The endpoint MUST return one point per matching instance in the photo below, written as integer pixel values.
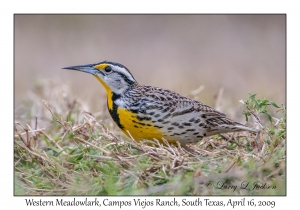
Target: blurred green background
(240, 53)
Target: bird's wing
(174, 104)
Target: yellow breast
(140, 130)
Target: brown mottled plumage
(146, 112)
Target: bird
(152, 113)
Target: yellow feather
(109, 93)
(101, 66)
(146, 130)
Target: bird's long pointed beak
(84, 68)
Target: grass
(60, 148)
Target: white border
(8, 8)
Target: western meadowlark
(146, 112)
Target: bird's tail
(245, 128)
(231, 128)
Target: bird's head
(115, 77)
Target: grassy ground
(60, 148)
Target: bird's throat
(108, 91)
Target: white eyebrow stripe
(124, 72)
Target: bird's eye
(107, 69)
